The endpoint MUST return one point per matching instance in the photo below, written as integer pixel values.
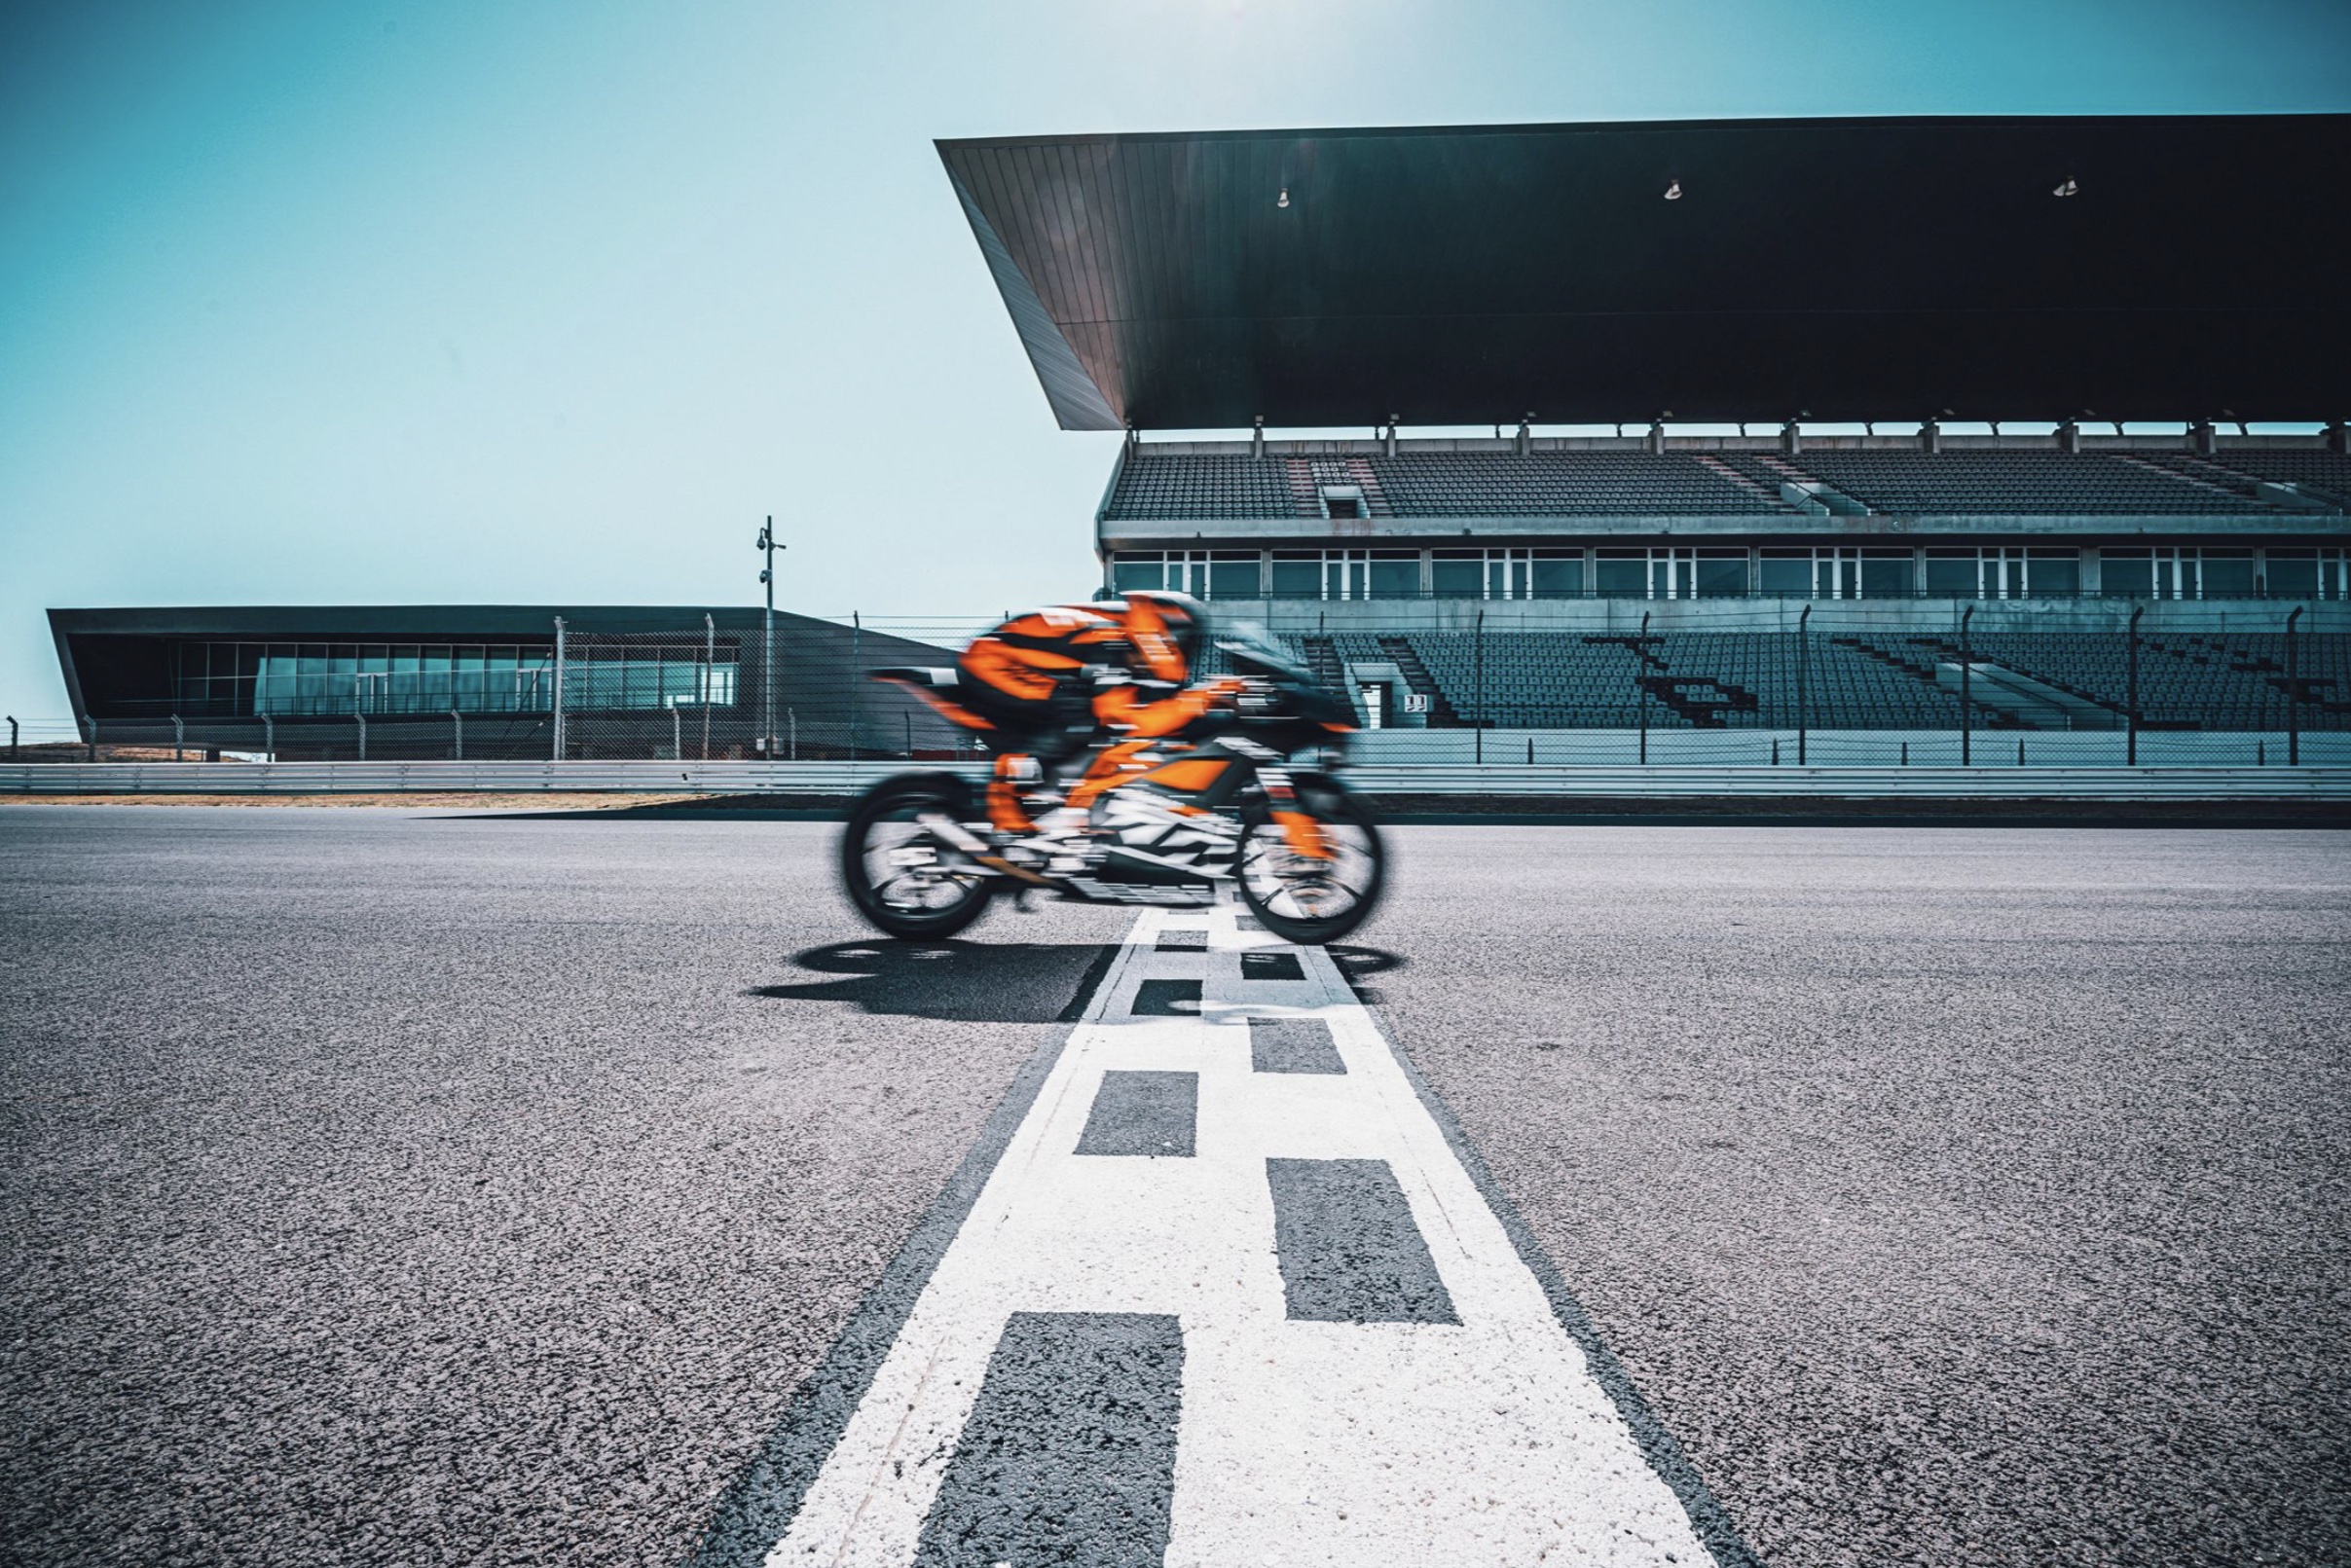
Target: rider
(1051, 681)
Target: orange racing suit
(1052, 679)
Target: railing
(2183, 686)
(834, 781)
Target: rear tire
(1293, 907)
(922, 904)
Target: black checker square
(1147, 1114)
(1293, 1046)
(1166, 999)
(1271, 967)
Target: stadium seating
(1698, 680)
(2021, 482)
(2027, 483)
(1862, 680)
(2185, 681)
(2329, 471)
(1202, 487)
(1565, 483)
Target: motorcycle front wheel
(897, 872)
(1314, 871)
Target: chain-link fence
(2225, 690)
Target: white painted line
(1489, 1442)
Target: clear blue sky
(401, 301)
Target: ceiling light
(1673, 191)
(1285, 198)
(2066, 188)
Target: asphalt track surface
(389, 1188)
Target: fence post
(94, 740)
(558, 698)
(457, 724)
(1803, 667)
(856, 631)
(269, 736)
(2292, 693)
(179, 738)
(2130, 698)
(1641, 687)
(1967, 691)
(1477, 644)
(710, 676)
(791, 719)
(16, 753)
(362, 718)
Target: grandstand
(2105, 547)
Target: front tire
(900, 877)
(1303, 899)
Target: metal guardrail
(845, 779)
(1861, 783)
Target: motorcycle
(1171, 827)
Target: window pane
(1787, 573)
(1951, 574)
(1559, 576)
(1232, 579)
(1395, 578)
(2292, 577)
(1297, 576)
(1721, 577)
(1887, 576)
(2228, 575)
(1617, 574)
(1135, 572)
(2053, 573)
(2126, 574)
(1454, 576)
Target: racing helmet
(1166, 631)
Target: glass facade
(2006, 571)
(287, 679)
(1838, 572)
(2189, 572)
(1731, 572)
(2305, 574)
(1202, 573)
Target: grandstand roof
(1868, 269)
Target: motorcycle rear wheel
(1304, 900)
(900, 896)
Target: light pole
(767, 642)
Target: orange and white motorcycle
(1149, 823)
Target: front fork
(1300, 830)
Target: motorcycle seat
(940, 680)
(943, 690)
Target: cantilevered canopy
(2126, 268)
